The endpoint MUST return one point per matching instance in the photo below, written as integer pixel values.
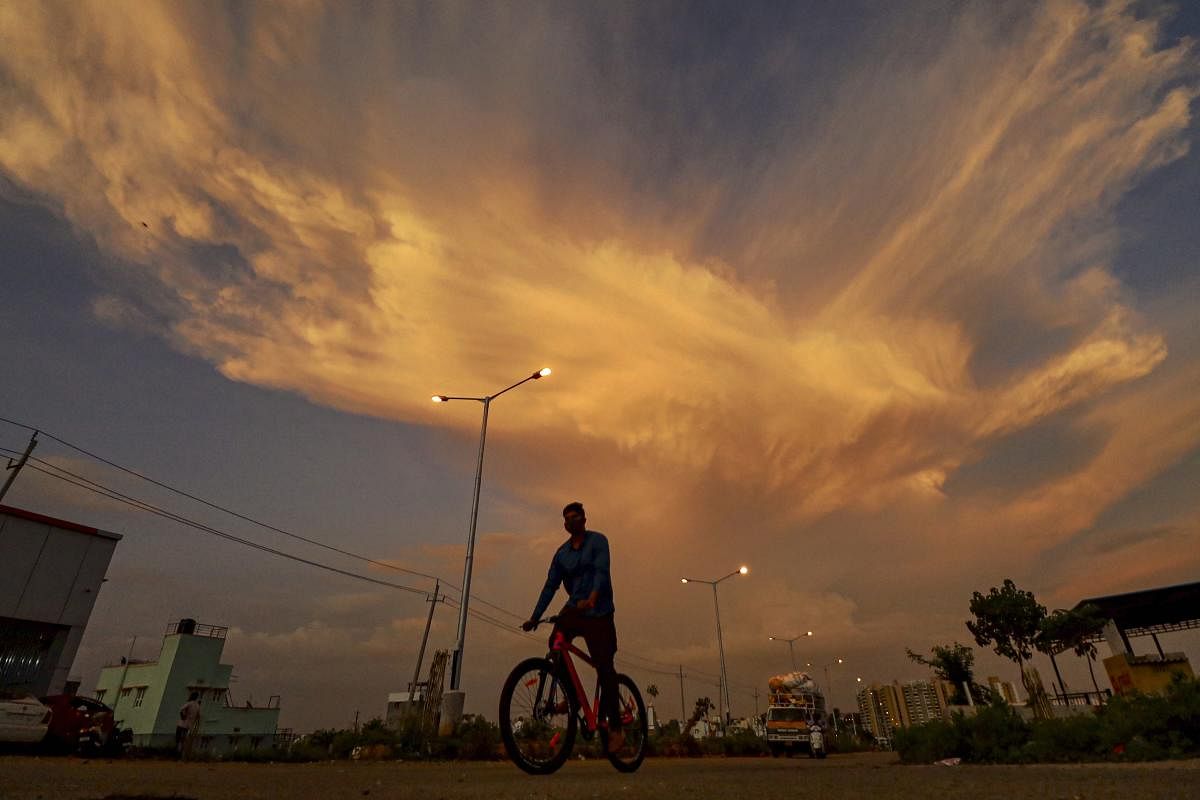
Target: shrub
(1134, 727)
(997, 734)
(739, 743)
(929, 742)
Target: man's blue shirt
(580, 572)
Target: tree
(652, 690)
(1072, 630)
(954, 664)
(703, 706)
(1009, 620)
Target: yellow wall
(1143, 674)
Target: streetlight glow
(437, 398)
(543, 372)
(744, 570)
(683, 580)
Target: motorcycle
(816, 743)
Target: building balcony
(190, 627)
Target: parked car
(23, 719)
(82, 724)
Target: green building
(146, 695)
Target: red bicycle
(543, 706)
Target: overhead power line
(112, 494)
(53, 470)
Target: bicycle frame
(564, 649)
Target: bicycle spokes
(539, 711)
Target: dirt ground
(869, 775)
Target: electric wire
(625, 657)
(215, 506)
(112, 494)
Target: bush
(738, 743)
(474, 739)
(672, 744)
(932, 741)
(997, 735)
(1134, 727)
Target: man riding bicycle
(581, 566)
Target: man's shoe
(616, 740)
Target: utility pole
(682, 705)
(756, 702)
(356, 721)
(15, 469)
(412, 688)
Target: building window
(255, 741)
(139, 697)
(126, 692)
(100, 695)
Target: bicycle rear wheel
(537, 717)
(634, 724)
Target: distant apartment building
(885, 707)
(146, 695)
(1004, 689)
(924, 701)
(879, 705)
(52, 574)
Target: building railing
(193, 628)
(1081, 698)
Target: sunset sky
(888, 303)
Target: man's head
(194, 696)
(574, 519)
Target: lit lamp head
(541, 373)
(439, 398)
(683, 580)
(744, 570)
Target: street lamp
(720, 640)
(829, 685)
(456, 659)
(790, 643)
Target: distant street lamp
(829, 686)
(790, 643)
(720, 641)
(457, 658)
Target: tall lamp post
(829, 685)
(791, 644)
(457, 658)
(720, 639)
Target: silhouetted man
(581, 566)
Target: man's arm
(553, 581)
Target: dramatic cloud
(779, 342)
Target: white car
(22, 718)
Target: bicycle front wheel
(537, 717)
(634, 725)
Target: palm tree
(652, 690)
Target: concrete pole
(412, 689)
(683, 716)
(15, 469)
(456, 659)
(721, 646)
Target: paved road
(869, 775)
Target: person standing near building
(189, 721)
